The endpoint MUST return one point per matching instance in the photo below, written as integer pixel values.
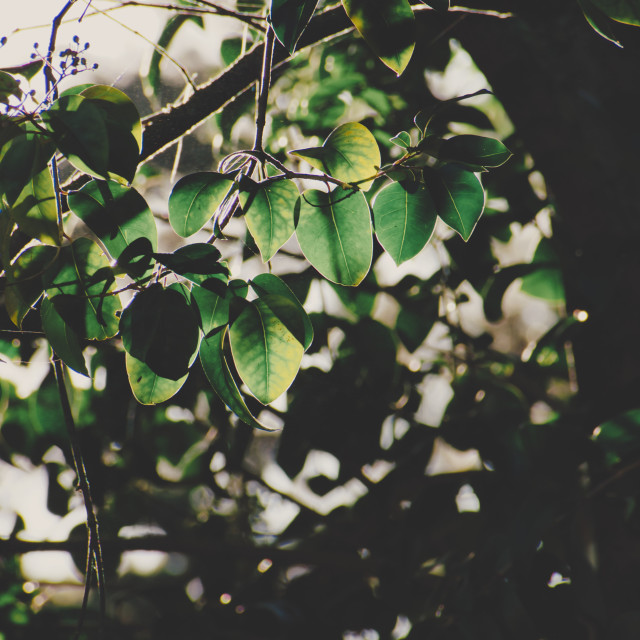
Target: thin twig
(50, 81)
(78, 462)
(263, 93)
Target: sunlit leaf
(289, 19)
(335, 234)
(267, 284)
(404, 218)
(117, 214)
(194, 200)
(267, 355)
(62, 338)
(213, 298)
(458, 196)
(215, 367)
(389, 28)
(350, 154)
(269, 213)
(160, 329)
(81, 284)
(28, 70)
(147, 386)
(598, 20)
(402, 139)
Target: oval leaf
(269, 213)
(81, 285)
(194, 200)
(389, 28)
(458, 196)
(215, 367)
(474, 150)
(335, 234)
(266, 353)
(147, 386)
(160, 329)
(404, 219)
(62, 338)
(350, 154)
(117, 214)
(626, 11)
(269, 284)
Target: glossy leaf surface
(350, 154)
(458, 196)
(335, 234)
(389, 28)
(118, 215)
(404, 219)
(194, 199)
(267, 355)
(269, 213)
(215, 367)
(474, 150)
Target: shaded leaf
(335, 234)
(389, 28)
(598, 20)
(269, 213)
(267, 284)
(350, 154)
(118, 215)
(62, 338)
(196, 262)
(289, 19)
(458, 196)
(194, 199)
(404, 219)
(28, 70)
(215, 367)
(626, 11)
(9, 87)
(213, 300)
(267, 355)
(160, 329)
(80, 285)
(474, 150)
(147, 386)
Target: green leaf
(117, 214)
(389, 28)
(9, 86)
(35, 209)
(289, 19)
(231, 49)
(80, 285)
(27, 71)
(194, 199)
(404, 218)
(213, 300)
(545, 282)
(268, 284)
(62, 338)
(269, 213)
(267, 355)
(215, 367)
(160, 329)
(147, 386)
(196, 262)
(626, 11)
(402, 139)
(474, 150)
(350, 154)
(24, 280)
(81, 133)
(22, 157)
(598, 21)
(458, 196)
(335, 234)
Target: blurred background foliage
(441, 471)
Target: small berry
(76, 39)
